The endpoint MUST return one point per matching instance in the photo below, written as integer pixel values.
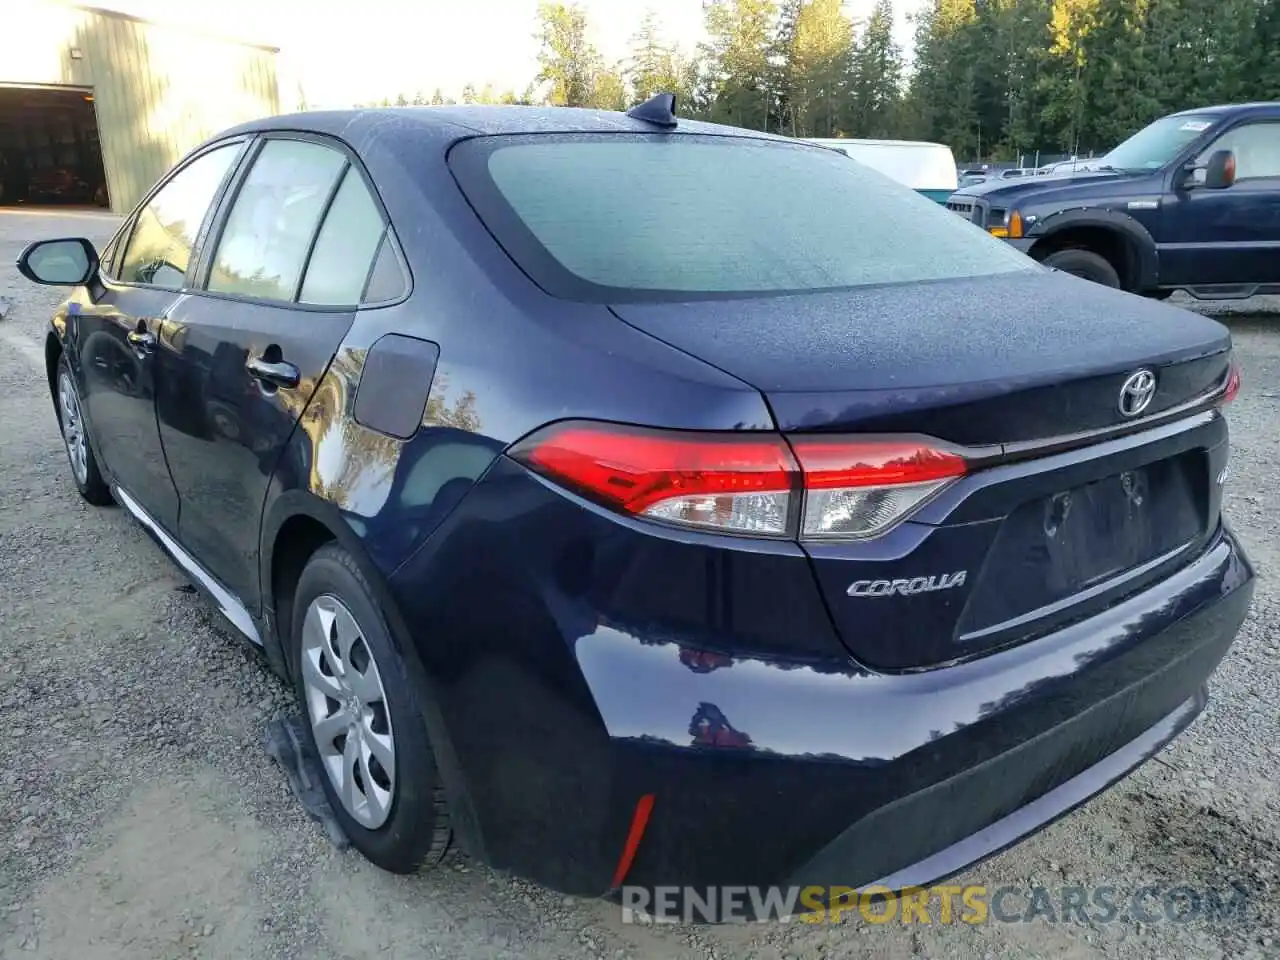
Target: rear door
(116, 334)
(1230, 235)
(287, 265)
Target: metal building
(95, 104)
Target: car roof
(1260, 106)
(457, 122)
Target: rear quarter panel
(510, 360)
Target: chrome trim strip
(235, 612)
(1067, 441)
(1230, 245)
(1066, 603)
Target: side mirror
(1220, 171)
(59, 263)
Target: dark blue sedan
(642, 501)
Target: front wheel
(75, 438)
(365, 718)
(1085, 264)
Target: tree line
(990, 78)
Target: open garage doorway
(50, 154)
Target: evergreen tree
(568, 61)
(1264, 64)
(657, 66)
(1022, 29)
(944, 83)
(875, 100)
(990, 78)
(780, 65)
(649, 67)
(818, 58)
(609, 90)
(738, 69)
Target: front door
(246, 354)
(117, 333)
(116, 369)
(1232, 235)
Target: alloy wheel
(73, 428)
(347, 707)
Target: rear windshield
(625, 217)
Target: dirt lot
(139, 816)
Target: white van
(928, 168)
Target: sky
(340, 52)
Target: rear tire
(384, 787)
(1085, 264)
(75, 438)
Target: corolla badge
(907, 587)
(1136, 394)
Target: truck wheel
(1086, 264)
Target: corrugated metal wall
(159, 90)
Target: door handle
(275, 373)
(142, 340)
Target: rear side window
(626, 217)
(159, 248)
(387, 281)
(344, 250)
(264, 245)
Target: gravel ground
(139, 816)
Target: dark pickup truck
(1190, 202)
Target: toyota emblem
(1136, 394)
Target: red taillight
(859, 489)
(743, 482)
(739, 482)
(836, 462)
(1232, 387)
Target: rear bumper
(903, 780)
(1010, 775)
(555, 719)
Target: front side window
(160, 245)
(264, 245)
(627, 217)
(1257, 150)
(107, 258)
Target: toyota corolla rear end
(974, 573)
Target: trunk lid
(1022, 547)
(992, 360)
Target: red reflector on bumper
(639, 821)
